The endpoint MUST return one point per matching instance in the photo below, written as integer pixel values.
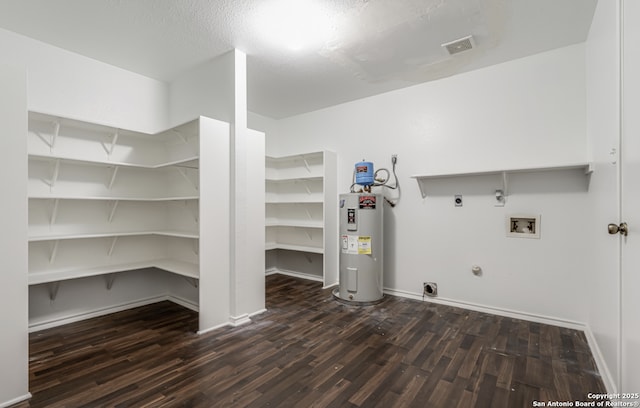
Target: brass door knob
(622, 229)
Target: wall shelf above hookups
(501, 174)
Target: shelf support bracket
(588, 169)
(110, 278)
(113, 210)
(113, 245)
(54, 211)
(194, 213)
(196, 246)
(54, 251)
(54, 136)
(53, 290)
(108, 148)
(308, 213)
(114, 140)
(306, 186)
(192, 281)
(423, 192)
(505, 183)
(180, 136)
(113, 176)
(184, 174)
(306, 164)
(308, 234)
(54, 174)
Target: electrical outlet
(430, 289)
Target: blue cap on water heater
(364, 173)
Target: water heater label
(367, 202)
(364, 245)
(356, 245)
(350, 244)
(352, 224)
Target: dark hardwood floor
(308, 350)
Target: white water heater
(360, 248)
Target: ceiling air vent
(459, 45)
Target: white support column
(248, 196)
(14, 337)
(214, 223)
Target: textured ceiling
(372, 46)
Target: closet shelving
(300, 213)
(104, 200)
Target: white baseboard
(236, 321)
(183, 302)
(257, 312)
(603, 369)
(216, 327)
(233, 320)
(295, 274)
(330, 285)
(47, 324)
(491, 310)
(15, 400)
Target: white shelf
(54, 196)
(190, 162)
(294, 200)
(295, 167)
(178, 267)
(294, 223)
(291, 247)
(293, 179)
(504, 173)
(53, 237)
(270, 160)
(298, 220)
(69, 156)
(104, 200)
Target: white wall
(527, 112)
(14, 346)
(603, 129)
(67, 84)
(205, 90)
